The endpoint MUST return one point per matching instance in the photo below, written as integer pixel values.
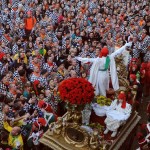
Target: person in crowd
(15, 139)
(99, 75)
(29, 22)
(39, 44)
(4, 141)
(118, 112)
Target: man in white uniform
(117, 114)
(99, 73)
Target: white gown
(116, 115)
(100, 79)
(100, 110)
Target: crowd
(39, 43)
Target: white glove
(147, 140)
(35, 138)
(128, 44)
(77, 58)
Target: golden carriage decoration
(121, 68)
(67, 134)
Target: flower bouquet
(97, 126)
(103, 101)
(76, 91)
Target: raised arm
(121, 50)
(85, 60)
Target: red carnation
(76, 91)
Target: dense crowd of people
(39, 43)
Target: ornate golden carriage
(73, 137)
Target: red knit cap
(122, 96)
(40, 122)
(133, 77)
(2, 55)
(36, 82)
(46, 106)
(41, 104)
(104, 52)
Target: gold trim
(83, 143)
(58, 143)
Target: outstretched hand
(128, 44)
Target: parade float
(81, 128)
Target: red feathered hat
(2, 55)
(122, 96)
(104, 52)
(40, 122)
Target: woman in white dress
(99, 73)
(117, 114)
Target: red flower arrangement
(76, 91)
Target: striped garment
(19, 20)
(122, 29)
(4, 4)
(31, 66)
(136, 51)
(33, 78)
(145, 44)
(15, 3)
(50, 68)
(5, 40)
(16, 74)
(6, 50)
(114, 33)
(79, 5)
(2, 31)
(21, 32)
(5, 17)
(92, 6)
(3, 69)
(53, 36)
(43, 82)
(15, 49)
(53, 16)
(3, 88)
(147, 56)
(14, 14)
(43, 23)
